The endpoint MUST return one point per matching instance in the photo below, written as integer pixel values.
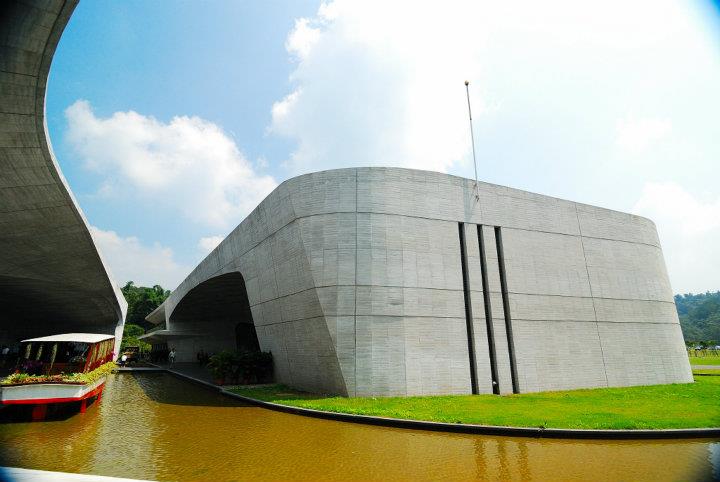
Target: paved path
(706, 367)
(13, 474)
(193, 370)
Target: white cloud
(638, 134)
(130, 260)
(302, 38)
(209, 243)
(375, 84)
(188, 165)
(552, 83)
(689, 229)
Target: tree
(130, 337)
(699, 317)
(142, 301)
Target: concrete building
(367, 281)
(383, 281)
(52, 278)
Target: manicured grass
(705, 360)
(649, 407)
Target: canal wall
(709, 433)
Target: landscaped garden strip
(70, 378)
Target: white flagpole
(472, 137)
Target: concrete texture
(353, 279)
(52, 278)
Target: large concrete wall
(355, 282)
(52, 278)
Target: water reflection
(155, 426)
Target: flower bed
(63, 378)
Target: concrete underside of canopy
(213, 317)
(52, 278)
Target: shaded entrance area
(212, 317)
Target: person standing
(5, 355)
(171, 356)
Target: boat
(59, 369)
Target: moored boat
(59, 369)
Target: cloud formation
(209, 243)
(689, 229)
(382, 82)
(188, 165)
(375, 85)
(130, 260)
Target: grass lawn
(705, 360)
(706, 371)
(649, 407)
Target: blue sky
(171, 120)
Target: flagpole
(472, 136)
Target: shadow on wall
(218, 310)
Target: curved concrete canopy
(52, 277)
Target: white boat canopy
(73, 337)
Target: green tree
(700, 317)
(142, 301)
(131, 334)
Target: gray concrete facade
(52, 277)
(372, 281)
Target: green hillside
(700, 316)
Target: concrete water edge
(532, 432)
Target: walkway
(27, 475)
(705, 367)
(193, 370)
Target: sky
(172, 120)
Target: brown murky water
(154, 426)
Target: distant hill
(699, 316)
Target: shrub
(221, 364)
(242, 366)
(254, 366)
(84, 378)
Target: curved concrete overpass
(52, 277)
(385, 281)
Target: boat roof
(76, 337)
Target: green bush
(84, 378)
(253, 366)
(93, 376)
(242, 366)
(221, 365)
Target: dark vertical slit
(488, 313)
(506, 309)
(468, 310)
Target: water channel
(155, 426)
